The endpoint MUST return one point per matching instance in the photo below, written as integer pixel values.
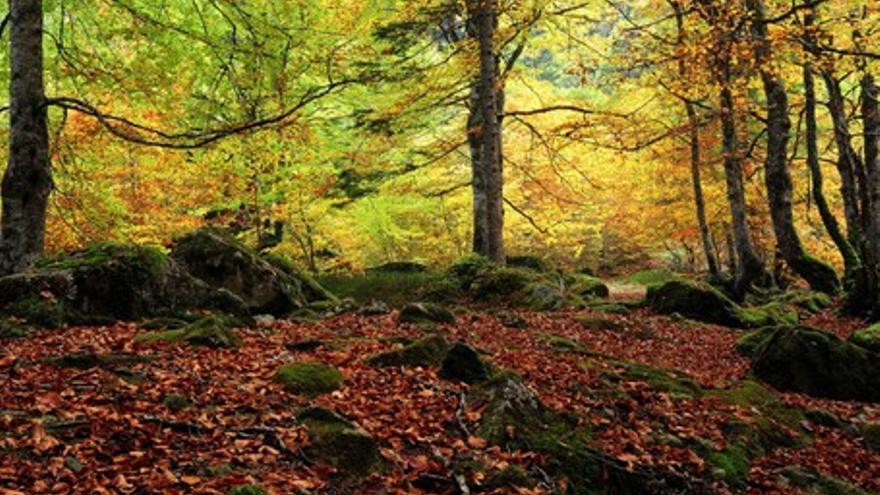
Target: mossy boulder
(870, 433)
(750, 343)
(400, 267)
(466, 269)
(428, 351)
(869, 338)
(599, 323)
(462, 363)
(107, 283)
(818, 363)
(215, 331)
(425, 313)
(222, 262)
(543, 296)
(587, 287)
(809, 302)
(813, 482)
(500, 283)
(693, 300)
(774, 313)
(309, 378)
(530, 262)
(340, 443)
(311, 288)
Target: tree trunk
(491, 131)
(871, 214)
(27, 182)
(819, 275)
(749, 267)
(478, 181)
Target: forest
(454, 247)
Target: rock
(312, 290)
(817, 484)
(222, 262)
(529, 262)
(751, 343)
(613, 308)
(818, 363)
(465, 270)
(309, 378)
(870, 433)
(215, 331)
(338, 442)
(425, 313)
(264, 320)
(542, 296)
(400, 267)
(374, 308)
(108, 282)
(693, 300)
(498, 283)
(869, 338)
(462, 363)
(510, 409)
(428, 351)
(512, 320)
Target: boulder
(542, 296)
(498, 283)
(309, 378)
(462, 363)
(214, 331)
(428, 351)
(340, 443)
(693, 300)
(869, 338)
(818, 363)
(588, 287)
(425, 313)
(109, 282)
(374, 308)
(222, 262)
(529, 262)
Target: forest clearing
(455, 247)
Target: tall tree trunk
(478, 181)
(819, 275)
(491, 138)
(871, 214)
(749, 267)
(696, 162)
(27, 181)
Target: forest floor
(111, 432)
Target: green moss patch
(425, 313)
(869, 338)
(212, 331)
(335, 441)
(10, 329)
(752, 342)
(309, 378)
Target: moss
(428, 351)
(339, 443)
(500, 283)
(871, 435)
(587, 286)
(731, 464)
(808, 301)
(752, 395)
(309, 378)
(313, 290)
(541, 296)
(394, 288)
(817, 484)
(662, 380)
(767, 315)
(466, 269)
(751, 343)
(247, 490)
(10, 329)
(88, 360)
(564, 344)
(164, 323)
(176, 402)
(613, 308)
(212, 331)
(511, 476)
(652, 277)
(530, 262)
(869, 338)
(150, 257)
(694, 300)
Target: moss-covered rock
(817, 484)
(215, 331)
(810, 302)
(500, 283)
(247, 490)
(818, 363)
(869, 338)
(338, 442)
(542, 296)
(669, 381)
(587, 287)
(428, 351)
(311, 288)
(530, 262)
(466, 269)
(425, 313)
(512, 320)
(767, 315)
(462, 363)
(613, 308)
(11, 329)
(870, 433)
(309, 378)
(107, 283)
(222, 262)
(750, 343)
(693, 300)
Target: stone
(340, 443)
(425, 313)
(428, 351)
(309, 378)
(462, 363)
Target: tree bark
(871, 213)
(27, 181)
(491, 132)
(819, 275)
(478, 181)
